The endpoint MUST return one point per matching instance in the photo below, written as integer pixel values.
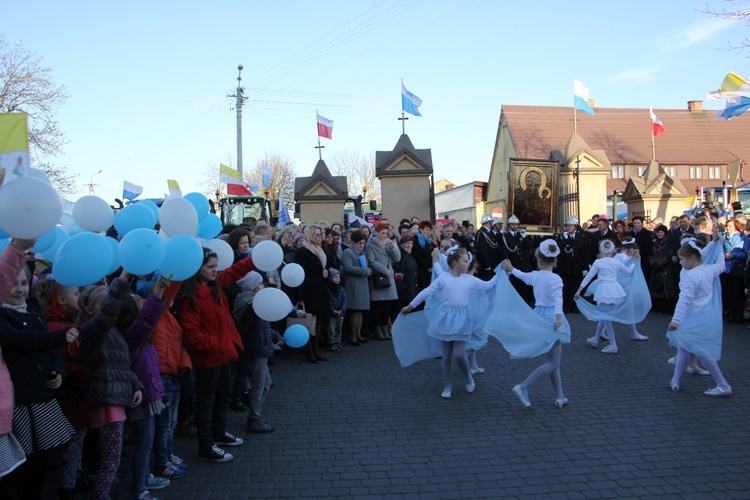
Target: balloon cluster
(31, 209)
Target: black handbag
(380, 280)
(738, 268)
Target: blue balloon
(132, 217)
(4, 244)
(45, 242)
(82, 260)
(153, 206)
(200, 203)
(183, 257)
(210, 227)
(76, 229)
(296, 336)
(141, 251)
(60, 237)
(116, 249)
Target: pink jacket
(12, 261)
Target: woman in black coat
(406, 272)
(314, 290)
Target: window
(696, 172)
(641, 169)
(618, 171)
(714, 172)
(670, 170)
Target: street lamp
(218, 194)
(91, 182)
(364, 192)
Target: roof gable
(690, 137)
(403, 159)
(320, 185)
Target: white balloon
(223, 250)
(271, 304)
(178, 216)
(29, 208)
(267, 255)
(162, 234)
(39, 174)
(93, 213)
(292, 275)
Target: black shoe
(245, 398)
(215, 454)
(228, 440)
(237, 405)
(258, 426)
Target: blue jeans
(166, 421)
(144, 439)
(259, 388)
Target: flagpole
(575, 122)
(653, 147)
(403, 116)
(319, 147)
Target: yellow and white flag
(174, 189)
(14, 147)
(228, 175)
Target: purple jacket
(143, 359)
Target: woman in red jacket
(213, 341)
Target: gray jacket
(355, 280)
(380, 259)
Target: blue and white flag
(266, 174)
(581, 98)
(254, 188)
(283, 212)
(130, 191)
(735, 107)
(410, 102)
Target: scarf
(317, 251)
(423, 242)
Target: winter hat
(251, 281)
(333, 272)
(297, 237)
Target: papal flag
(14, 147)
(733, 86)
(174, 188)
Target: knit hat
(297, 237)
(333, 272)
(407, 237)
(250, 282)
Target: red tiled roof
(690, 137)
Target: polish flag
(657, 127)
(237, 190)
(325, 127)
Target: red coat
(209, 327)
(167, 338)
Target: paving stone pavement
(359, 426)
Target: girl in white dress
(453, 323)
(609, 292)
(548, 294)
(628, 249)
(696, 326)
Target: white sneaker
(672, 360)
(593, 342)
(610, 350)
(638, 336)
(475, 371)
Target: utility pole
(238, 106)
(91, 183)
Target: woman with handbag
(313, 292)
(355, 270)
(381, 252)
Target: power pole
(238, 106)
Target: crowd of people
(173, 357)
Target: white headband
(629, 241)
(693, 244)
(606, 247)
(451, 250)
(544, 249)
(685, 241)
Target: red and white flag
(657, 127)
(325, 127)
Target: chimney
(695, 105)
(592, 102)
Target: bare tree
(732, 14)
(209, 180)
(282, 180)
(26, 86)
(359, 169)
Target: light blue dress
(701, 331)
(524, 332)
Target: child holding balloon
(259, 341)
(214, 342)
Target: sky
(148, 80)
